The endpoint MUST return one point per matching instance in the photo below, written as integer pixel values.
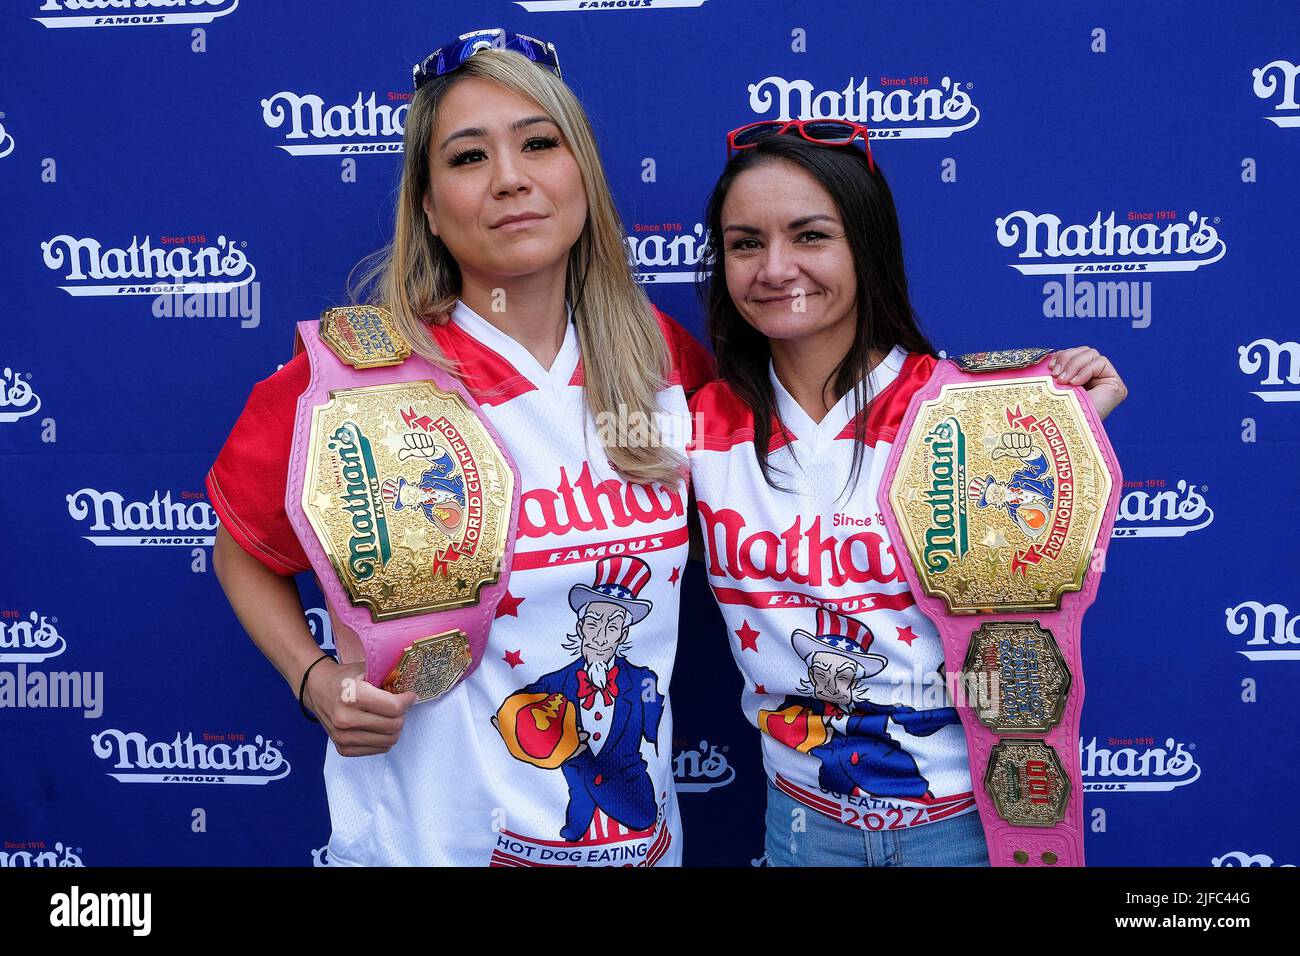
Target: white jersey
(843, 673)
(584, 639)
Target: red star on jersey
(513, 659)
(906, 635)
(672, 579)
(509, 605)
(748, 637)
(760, 689)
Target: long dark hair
(885, 317)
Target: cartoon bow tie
(587, 691)
(832, 711)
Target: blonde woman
(507, 268)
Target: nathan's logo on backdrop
(184, 523)
(30, 639)
(67, 13)
(213, 758)
(701, 768)
(560, 6)
(1280, 363)
(311, 128)
(38, 853)
(1272, 79)
(1272, 629)
(666, 252)
(6, 140)
(17, 400)
(1156, 508)
(1106, 246)
(905, 107)
(1238, 858)
(174, 266)
(321, 856)
(1128, 768)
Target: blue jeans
(819, 840)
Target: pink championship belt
(405, 500)
(1003, 488)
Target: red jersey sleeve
(692, 364)
(248, 481)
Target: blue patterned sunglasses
(452, 56)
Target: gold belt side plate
(999, 495)
(1028, 680)
(1027, 783)
(409, 496)
(431, 666)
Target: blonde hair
(625, 359)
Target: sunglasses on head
(823, 132)
(452, 56)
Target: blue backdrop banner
(1121, 175)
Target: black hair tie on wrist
(302, 688)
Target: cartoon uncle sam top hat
(839, 635)
(618, 581)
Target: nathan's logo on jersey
(166, 522)
(582, 504)
(321, 856)
(17, 399)
(38, 853)
(175, 266)
(1155, 508)
(132, 13)
(30, 639)
(1127, 768)
(214, 758)
(1238, 858)
(666, 252)
(1106, 246)
(906, 108)
(587, 6)
(6, 140)
(1280, 364)
(703, 767)
(798, 555)
(1272, 79)
(365, 125)
(1273, 630)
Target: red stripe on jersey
(726, 421)
(937, 814)
(849, 604)
(886, 411)
(489, 378)
(630, 576)
(594, 550)
(659, 847)
(689, 364)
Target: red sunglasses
(824, 132)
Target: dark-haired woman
(818, 353)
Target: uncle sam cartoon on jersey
(840, 726)
(588, 719)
